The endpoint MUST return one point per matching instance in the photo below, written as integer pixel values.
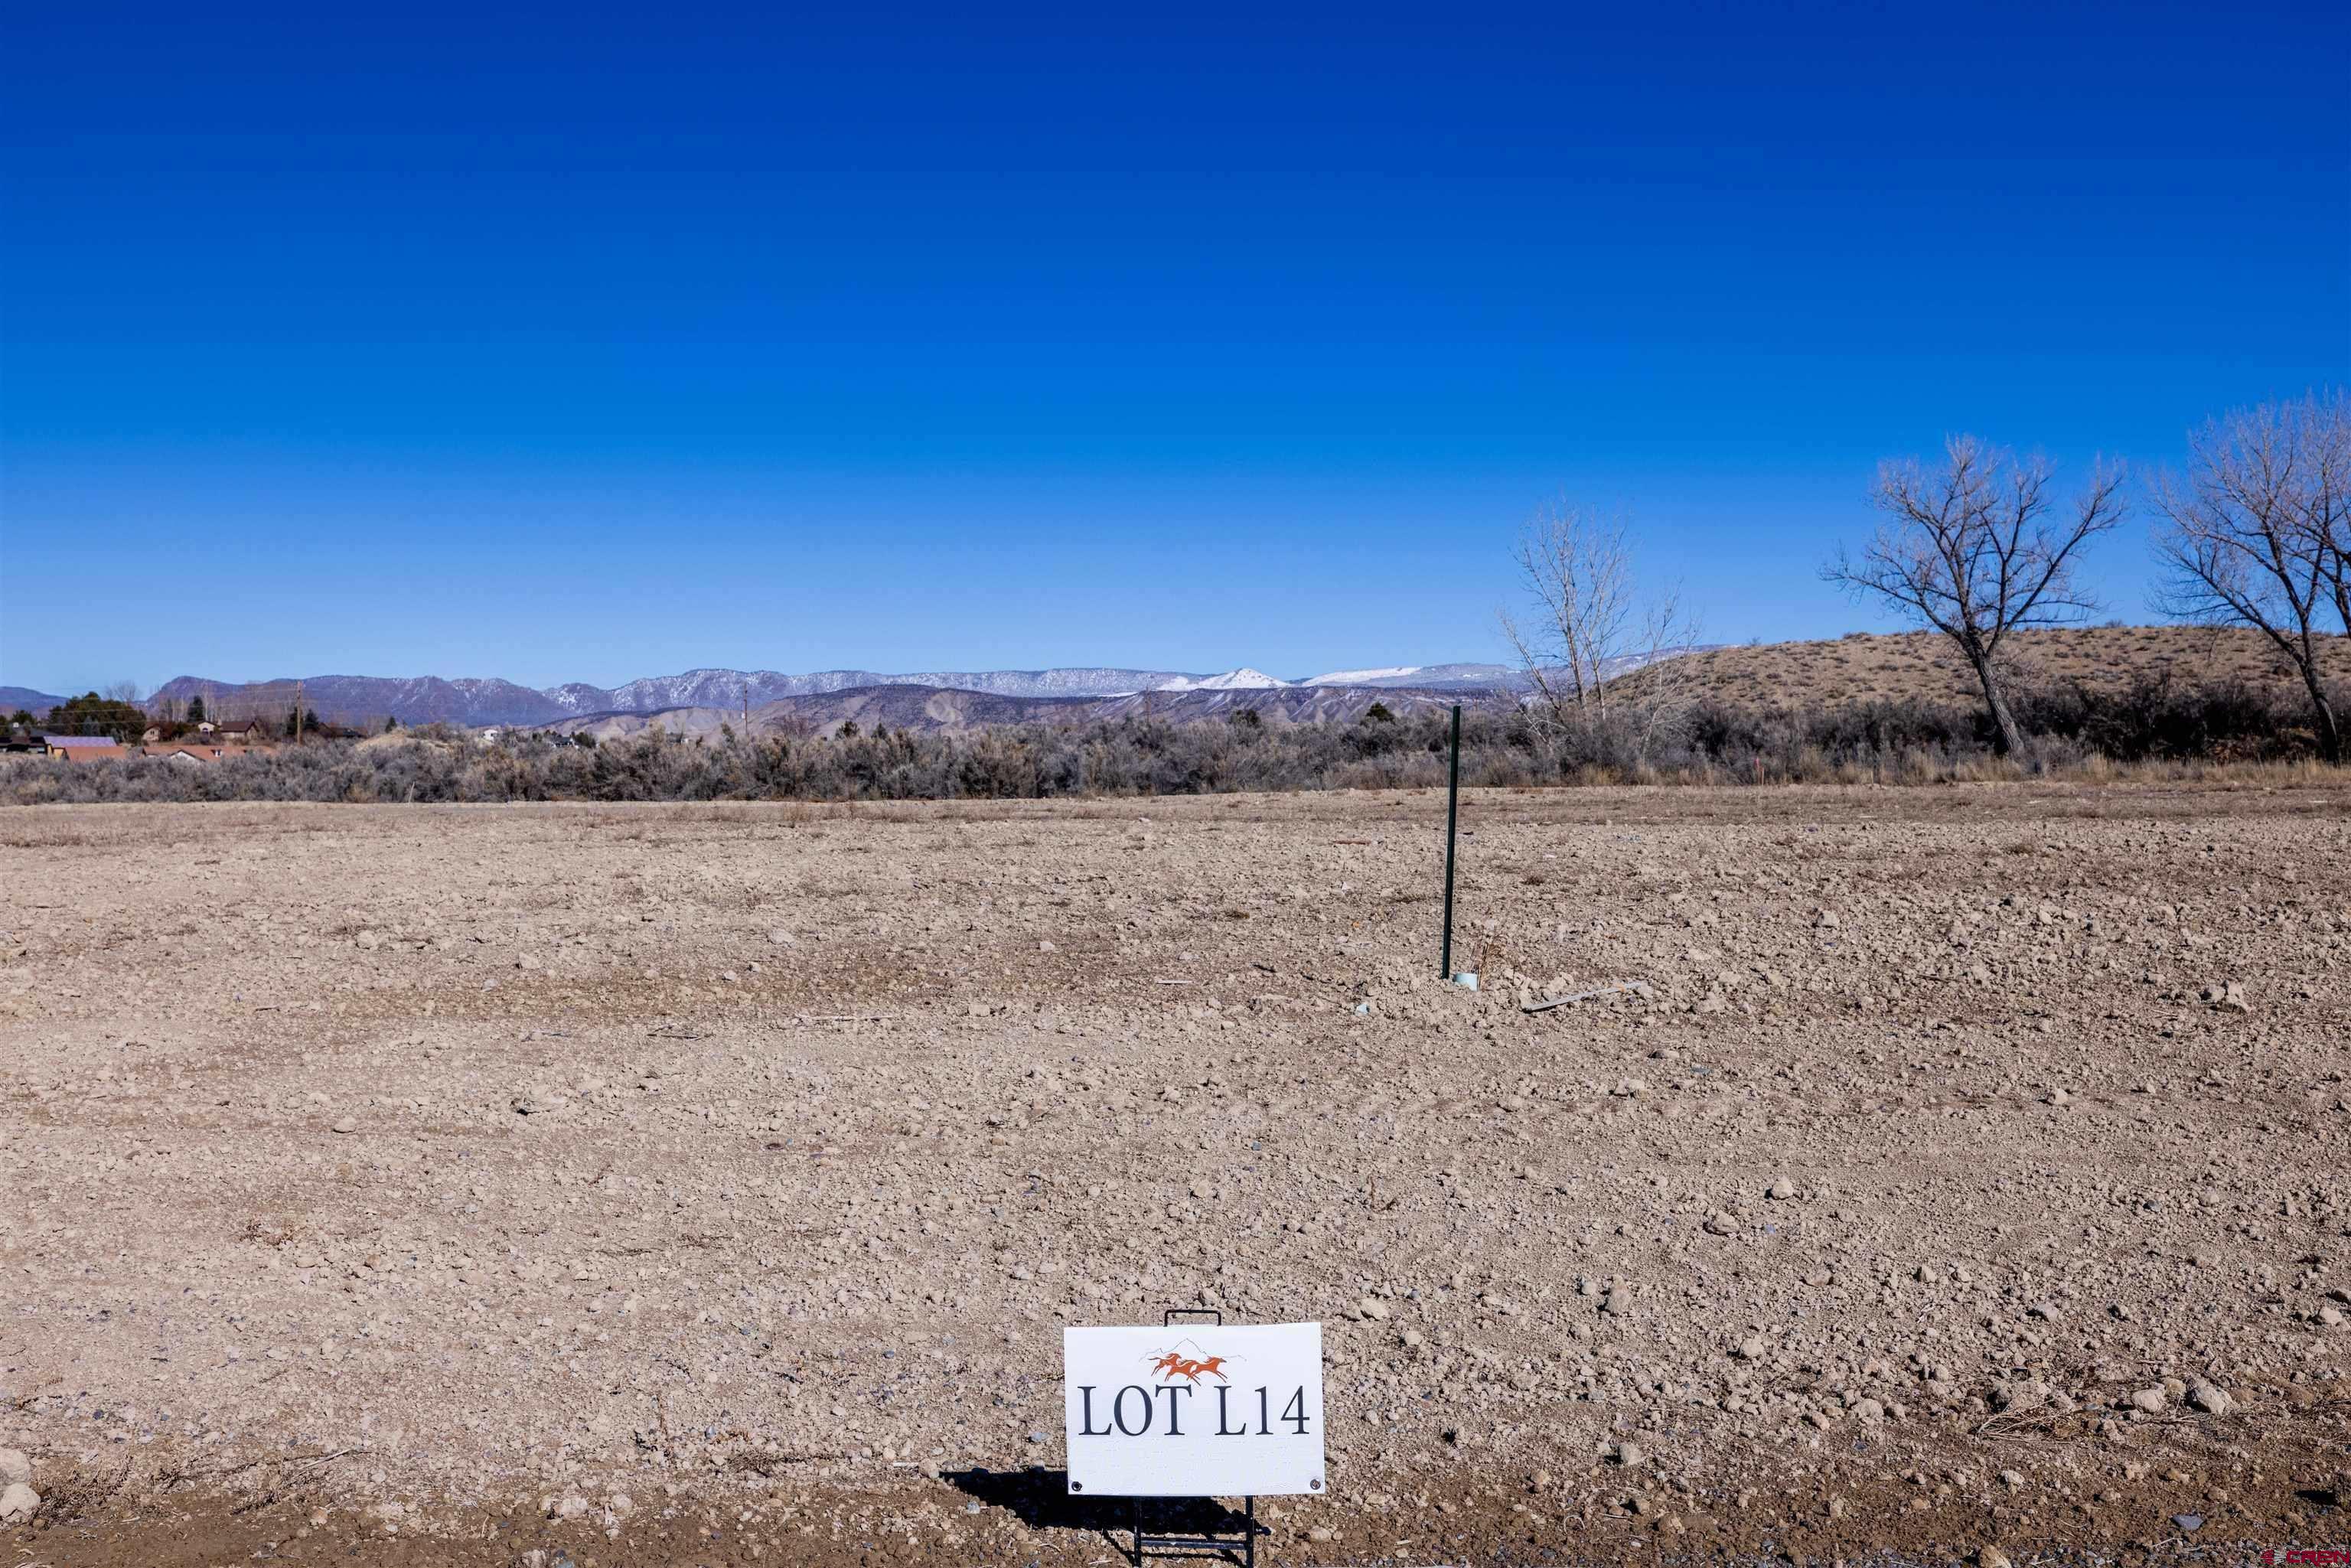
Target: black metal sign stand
(1202, 1545)
(1222, 1546)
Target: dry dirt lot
(377, 1183)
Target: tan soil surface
(373, 1180)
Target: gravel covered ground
(697, 1185)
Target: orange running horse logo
(1171, 1364)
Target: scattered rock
(15, 1468)
(2211, 1399)
(18, 1503)
(2228, 996)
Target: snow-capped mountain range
(478, 700)
(487, 700)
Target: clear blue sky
(594, 342)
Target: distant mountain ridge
(424, 699)
(26, 699)
(898, 706)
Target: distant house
(152, 734)
(83, 748)
(204, 726)
(183, 751)
(239, 730)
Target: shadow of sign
(1041, 1499)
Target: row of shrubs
(1501, 744)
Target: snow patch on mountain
(1361, 677)
(1241, 680)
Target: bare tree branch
(2258, 534)
(1579, 578)
(1971, 550)
(1591, 622)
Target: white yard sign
(1194, 1410)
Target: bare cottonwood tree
(1578, 572)
(1593, 619)
(1972, 549)
(2259, 534)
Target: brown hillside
(1861, 668)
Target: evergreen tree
(90, 714)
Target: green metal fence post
(1452, 816)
